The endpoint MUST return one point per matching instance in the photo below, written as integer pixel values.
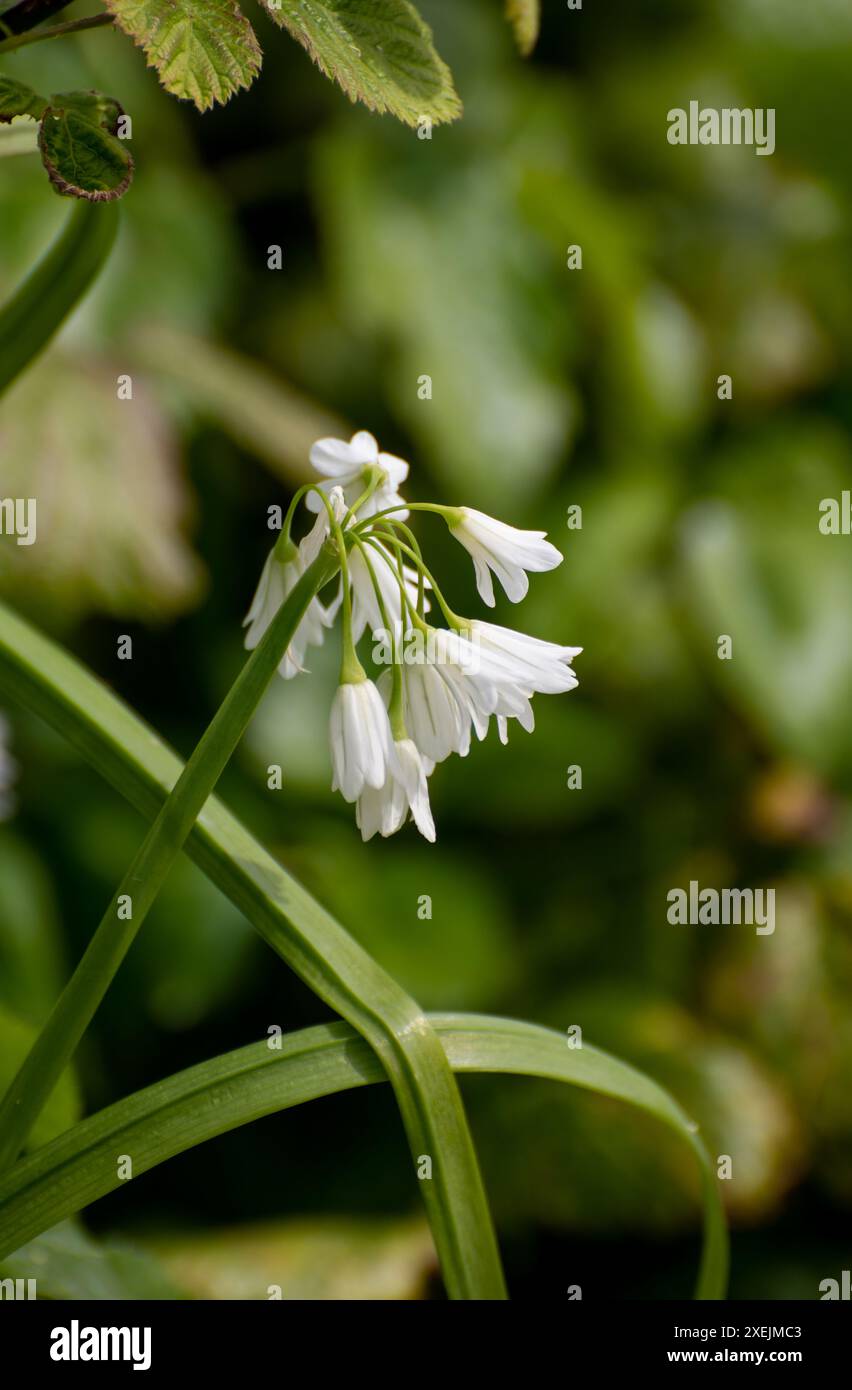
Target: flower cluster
(440, 684)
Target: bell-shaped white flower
(533, 664)
(385, 810)
(362, 750)
(479, 692)
(344, 464)
(433, 714)
(494, 671)
(284, 566)
(503, 549)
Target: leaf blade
(17, 99)
(241, 1086)
(379, 51)
(82, 157)
(203, 50)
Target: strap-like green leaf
(380, 51)
(210, 1099)
(17, 99)
(54, 286)
(79, 149)
(203, 50)
(525, 18)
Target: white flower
(456, 691)
(386, 810)
(510, 553)
(344, 464)
(362, 751)
(447, 683)
(432, 713)
(279, 577)
(533, 664)
(494, 670)
(8, 771)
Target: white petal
(334, 458)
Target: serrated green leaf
(203, 50)
(17, 99)
(525, 19)
(82, 157)
(379, 51)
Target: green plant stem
(54, 286)
(239, 1087)
(73, 26)
(76, 1006)
(334, 966)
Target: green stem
(46, 681)
(73, 26)
(51, 290)
(416, 559)
(76, 1006)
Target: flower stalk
(138, 890)
(407, 1046)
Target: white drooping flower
(8, 772)
(285, 565)
(385, 810)
(441, 685)
(362, 748)
(345, 465)
(494, 670)
(540, 667)
(433, 714)
(503, 549)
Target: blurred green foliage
(551, 388)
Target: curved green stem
(350, 667)
(47, 681)
(403, 549)
(52, 289)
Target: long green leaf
(207, 1100)
(52, 289)
(35, 671)
(138, 890)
